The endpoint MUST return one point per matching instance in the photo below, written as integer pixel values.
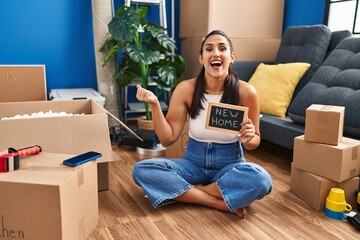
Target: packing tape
(355, 153)
(80, 176)
(82, 228)
(352, 173)
(48, 168)
(9, 162)
(327, 108)
(10, 159)
(322, 118)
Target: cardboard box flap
(49, 133)
(43, 168)
(96, 108)
(325, 108)
(16, 80)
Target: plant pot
(142, 123)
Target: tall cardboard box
(314, 189)
(237, 18)
(324, 124)
(86, 130)
(338, 163)
(245, 50)
(177, 149)
(45, 199)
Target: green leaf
(167, 77)
(123, 77)
(112, 53)
(124, 26)
(142, 11)
(179, 63)
(146, 56)
(108, 44)
(160, 34)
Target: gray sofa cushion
(336, 38)
(304, 44)
(337, 82)
(280, 131)
(245, 69)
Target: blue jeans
(204, 163)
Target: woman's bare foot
(241, 212)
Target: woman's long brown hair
(231, 85)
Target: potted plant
(144, 51)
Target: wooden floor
(124, 212)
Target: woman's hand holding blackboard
(144, 95)
(247, 131)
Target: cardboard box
(314, 189)
(311, 188)
(245, 50)
(16, 80)
(45, 199)
(324, 124)
(338, 163)
(103, 176)
(69, 134)
(237, 18)
(177, 149)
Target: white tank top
(197, 129)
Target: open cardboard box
(68, 134)
(45, 199)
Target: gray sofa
(332, 79)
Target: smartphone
(82, 158)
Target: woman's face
(216, 56)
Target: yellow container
(336, 201)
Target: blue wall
(303, 12)
(58, 33)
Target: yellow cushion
(275, 85)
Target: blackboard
(225, 117)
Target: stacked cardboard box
(45, 199)
(323, 158)
(254, 26)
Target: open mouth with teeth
(216, 63)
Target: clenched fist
(144, 95)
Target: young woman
(213, 171)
